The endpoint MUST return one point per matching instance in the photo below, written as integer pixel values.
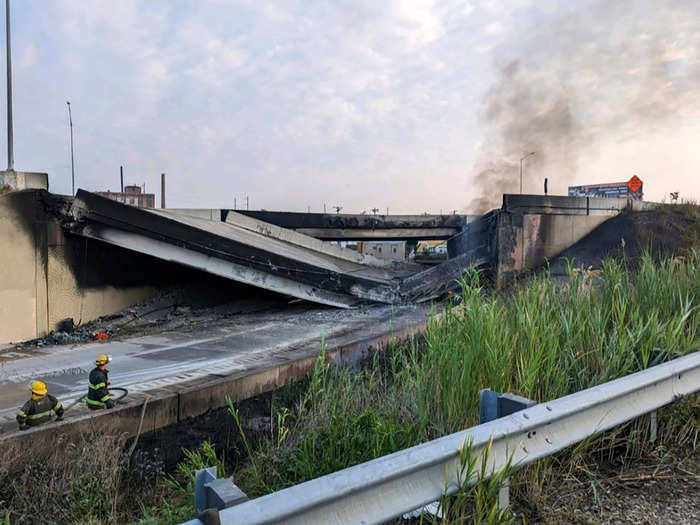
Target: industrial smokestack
(545, 185)
(162, 190)
(121, 177)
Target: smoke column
(614, 75)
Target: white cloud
(364, 102)
(494, 28)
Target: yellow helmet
(103, 359)
(38, 388)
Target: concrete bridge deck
(344, 226)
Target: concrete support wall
(23, 281)
(23, 180)
(528, 241)
(534, 228)
(47, 275)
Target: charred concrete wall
(47, 275)
(532, 229)
(528, 241)
(86, 280)
(478, 234)
(23, 268)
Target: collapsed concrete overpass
(89, 256)
(260, 254)
(174, 376)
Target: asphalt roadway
(144, 363)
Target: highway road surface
(145, 363)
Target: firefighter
(98, 392)
(38, 409)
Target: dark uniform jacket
(98, 392)
(38, 410)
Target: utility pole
(247, 203)
(121, 178)
(324, 207)
(162, 190)
(521, 170)
(72, 163)
(234, 203)
(10, 137)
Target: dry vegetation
(76, 482)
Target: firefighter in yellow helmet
(38, 409)
(98, 388)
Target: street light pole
(72, 164)
(521, 170)
(10, 138)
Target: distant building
(389, 250)
(632, 189)
(131, 195)
(428, 248)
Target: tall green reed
(545, 340)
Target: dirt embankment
(670, 230)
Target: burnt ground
(184, 307)
(666, 231)
(158, 453)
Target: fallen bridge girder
(273, 263)
(214, 266)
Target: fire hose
(123, 392)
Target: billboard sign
(632, 189)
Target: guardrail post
(493, 405)
(212, 494)
(653, 426)
(488, 405)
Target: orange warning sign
(634, 184)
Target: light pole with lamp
(521, 170)
(72, 164)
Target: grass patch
(63, 483)
(544, 341)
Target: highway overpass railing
(389, 486)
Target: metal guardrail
(387, 487)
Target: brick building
(131, 195)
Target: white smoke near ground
(617, 75)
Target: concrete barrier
(23, 180)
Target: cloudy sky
(415, 105)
